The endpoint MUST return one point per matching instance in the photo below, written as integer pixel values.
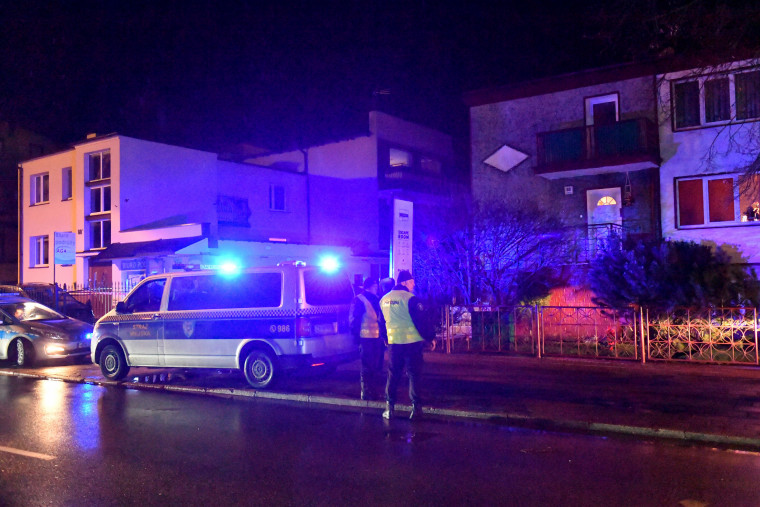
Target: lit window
(277, 198)
(66, 183)
(400, 158)
(100, 233)
(99, 165)
(607, 200)
(38, 251)
(712, 200)
(40, 188)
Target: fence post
(643, 339)
(537, 341)
(757, 356)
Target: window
(711, 200)
(277, 198)
(66, 184)
(399, 158)
(250, 290)
(100, 199)
(99, 165)
(607, 200)
(686, 104)
(716, 98)
(748, 95)
(100, 233)
(39, 251)
(717, 106)
(430, 165)
(147, 297)
(40, 188)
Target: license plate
(326, 328)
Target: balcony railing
(412, 179)
(619, 143)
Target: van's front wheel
(260, 369)
(113, 365)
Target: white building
(139, 207)
(708, 135)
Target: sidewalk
(709, 404)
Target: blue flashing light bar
(329, 264)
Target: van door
(143, 330)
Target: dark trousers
(408, 355)
(372, 356)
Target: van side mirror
(121, 307)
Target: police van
(263, 321)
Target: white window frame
(101, 244)
(39, 184)
(273, 188)
(700, 80)
(590, 102)
(98, 155)
(738, 211)
(39, 251)
(67, 192)
(100, 190)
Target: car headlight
(52, 350)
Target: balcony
(622, 146)
(408, 178)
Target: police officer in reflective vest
(368, 328)
(407, 331)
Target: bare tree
(502, 253)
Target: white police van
(262, 321)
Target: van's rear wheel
(260, 369)
(113, 365)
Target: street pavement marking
(29, 454)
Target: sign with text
(401, 246)
(64, 246)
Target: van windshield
(327, 289)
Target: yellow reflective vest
(369, 326)
(398, 320)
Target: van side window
(248, 290)
(147, 297)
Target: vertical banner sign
(401, 246)
(64, 248)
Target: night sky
(278, 74)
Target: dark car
(31, 332)
(68, 305)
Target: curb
(497, 418)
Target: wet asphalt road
(103, 446)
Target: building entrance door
(99, 275)
(603, 207)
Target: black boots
(416, 414)
(389, 411)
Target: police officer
(405, 322)
(368, 328)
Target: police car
(262, 321)
(31, 332)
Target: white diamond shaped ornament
(505, 158)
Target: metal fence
(102, 299)
(716, 335)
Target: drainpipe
(20, 200)
(305, 153)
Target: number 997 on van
(262, 321)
